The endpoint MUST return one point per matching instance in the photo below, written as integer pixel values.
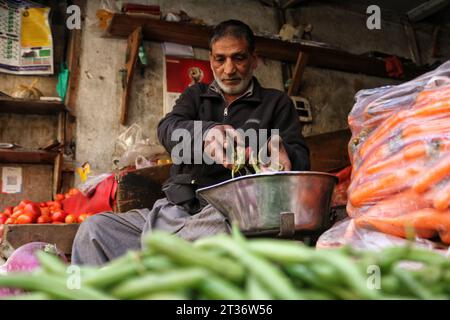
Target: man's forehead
(230, 45)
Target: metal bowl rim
(265, 174)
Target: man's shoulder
(274, 94)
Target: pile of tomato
(27, 212)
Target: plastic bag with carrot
(400, 153)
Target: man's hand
(222, 143)
(278, 159)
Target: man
(233, 103)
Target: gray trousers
(107, 235)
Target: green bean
(55, 287)
(268, 274)
(255, 290)
(306, 275)
(51, 264)
(391, 284)
(213, 287)
(412, 284)
(115, 274)
(184, 253)
(281, 251)
(348, 270)
(326, 272)
(151, 283)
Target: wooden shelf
(11, 105)
(122, 25)
(27, 156)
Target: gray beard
(234, 89)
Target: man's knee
(92, 227)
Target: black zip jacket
(259, 109)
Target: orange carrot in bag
(394, 226)
(376, 189)
(442, 199)
(414, 150)
(435, 174)
(400, 204)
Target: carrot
(426, 222)
(399, 204)
(432, 109)
(394, 226)
(442, 199)
(414, 150)
(386, 127)
(445, 236)
(434, 175)
(380, 187)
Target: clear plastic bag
(137, 150)
(345, 233)
(400, 152)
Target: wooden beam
(298, 73)
(412, 42)
(73, 61)
(426, 9)
(134, 42)
(122, 25)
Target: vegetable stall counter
(14, 236)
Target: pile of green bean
(233, 267)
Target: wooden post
(134, 41)
(299, 69)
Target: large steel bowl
(256, 201)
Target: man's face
(232, 64)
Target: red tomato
(82, 217)
(23, 203)
(59, 216)
(49, 203)
(44, 219)
(43, 204)
(45, 211)
(33, 210)
(17, 213)
(70, 218)
(16, 208)
(10, 220)
(24, 219)
(56, 205)
(59, 197)
(9, 210)
(3, 218)
(57, 222)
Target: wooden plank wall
(329, 151)
(37, 184)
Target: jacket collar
(252, 94)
